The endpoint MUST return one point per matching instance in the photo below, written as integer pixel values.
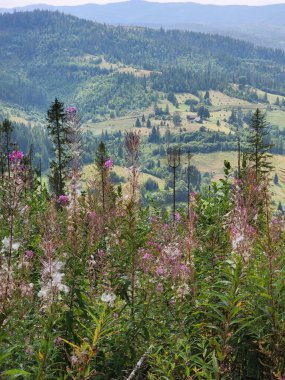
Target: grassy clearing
(89, 172)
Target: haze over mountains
(262, 25)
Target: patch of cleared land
(89, 172)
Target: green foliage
(258, 148)
(58, 129)
(57, 54)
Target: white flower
(15, 246)
(237, 240)
(52, 282)
(6, 245)
(109, 298)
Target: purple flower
(159, 287)
(29, 254)
(177, 217)
(108, 164)
(16, 156)
(63, 200)
(71, 110)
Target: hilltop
(263, 25)
(106, 68)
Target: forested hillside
(45, 54)
(262, 25)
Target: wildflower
(26, 289)
(63, 200)
(183, 290)
(109, 297)
(177, 217)
(108, 164)
(52, 281)
(29, 254)
(16, 156)
(159, 287)
(6, 245)
(101, 253)
(71, 110)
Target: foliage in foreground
(92, 286)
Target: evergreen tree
(265, 98)
(148, 123)
(154, 136)
(143, 119)
(203, 112)
(276, 179)
(177, 119)
(172, 99)
(58, 130)
(138, 123)
(233, 118)
(6, 131)
(101, 157)
(258, 151)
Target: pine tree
(148, 123)
(58, 130)
(258, 152)
(138, 123)
(101, 157)
(276, 179)
(6, 131)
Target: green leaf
(14, 373)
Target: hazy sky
(18, 3)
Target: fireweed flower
(29, 254)
(6, 245)
(16, 156)
(109, 297)
(177, 217)
(159, 288)
(71, 110)
(52, 284)
(63, 200)
(108, 164)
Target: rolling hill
(263, 25)
(107, 69)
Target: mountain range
(262, 25)
(114, 69)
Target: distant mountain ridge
(263, 25)
(111, 70)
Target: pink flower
(16, 156)
(63, 200)
(71, 110)
(108, 164)
(177, 217)
(29, 254)
(101, 253)
(159, 288)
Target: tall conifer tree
(258, 154)
(58, 129)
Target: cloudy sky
(18, 3)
